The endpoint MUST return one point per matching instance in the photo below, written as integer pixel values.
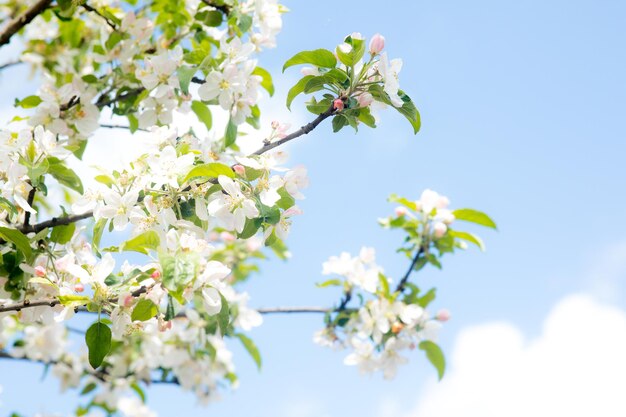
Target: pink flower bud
(156, 275)
(127, 301)
(439, 229)
(164, 325)
(365, 99)
(401, 211)
(79, 287)
(275, 124)
(443, 315)
(240, 169)
(227, 237)
(338, 104)
(40, 271)
(377, 44)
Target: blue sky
(522, 107)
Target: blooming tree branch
(197, 214)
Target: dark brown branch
(302, 131)
(29, 200)
(22, 20)
(55, 221)
(403, 281)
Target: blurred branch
(22, 20)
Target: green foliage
(435, 356)
(18, 238)
(474, 216)
(251, 348)
(318, 57)
(98, 339)
(202, 111)
(144, 310)
(210, 170)
(62, 234)
(142, 243)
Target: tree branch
(302, 131)
(404, 280)
(291, 310)
(10, 64)
(22, 20)
(55, 221)
(51, 302)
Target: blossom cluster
(383, 326)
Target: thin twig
(302, 131)
(10, 64)
(111, 126)
(96, 11)
(22, 20)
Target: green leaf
(178, 271)
(98, 339)
(142, 243)
(297, 89)
(351, 58)
(73, 300)
(230, 136)
(435, 356)
(250, 228)
(185, 74)
(384, 284)
(98, 229)
(223, 317)
(62, 234)
(427, 298)
(202, 111)
(28, 102)
(470, 237)
(210, 170)
(144, 310)
(318, 57)
(266, 79)
(474, 216)
(329, 283)
(252, 349)
(339, 122)
(169, 311)
(213, 18)
(64, 175)
(7, 205)
(18, 238)
(408, 109)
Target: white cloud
(576, 367)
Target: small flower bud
(338, 104)
(79, 287)
(240, 169)
(365, 99)
(401, 211)
(40, 271)
(127, 300)
(377, 44)
(275, 124)
(443, 315)
(439, 229)
(156, 275)
(397, 327)
(227, 237)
